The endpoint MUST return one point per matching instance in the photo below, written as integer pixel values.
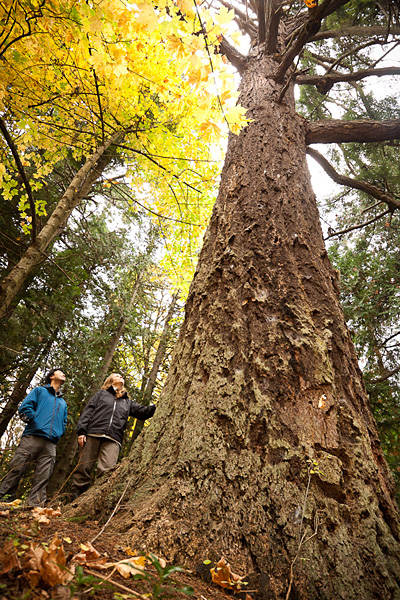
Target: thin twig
(118, 585)
(114, 511)
(359, 226)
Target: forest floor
(44, 556)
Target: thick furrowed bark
(264, 378)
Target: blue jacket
(45, 411)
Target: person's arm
(28, 407)
(141, 412)
(86, 415)
(65, 418)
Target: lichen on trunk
(264, 377)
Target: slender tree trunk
(152, 379)
(65, 459)
(79, 187)
(24, 379)
(264, 378)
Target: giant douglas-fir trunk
(264, 377)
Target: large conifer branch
(356, 184)
(234, 57)
(273, 17)
(353, 32)
(338, 131)
(325, 82)
(306, 32)
(261, 21)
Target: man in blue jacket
(45, 412)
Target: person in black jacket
(101, 428)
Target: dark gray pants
(103, 450)
(32, 448)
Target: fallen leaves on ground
(47, 565)
(90, 557)
(60, 569)
(130, 566)
(8, 558)
(43, 515)
(13, 504)
(222, 575)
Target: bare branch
(149, 157)
(100, 107)
(338, 131)
(325, 82)
(353, 32)
(359, 226)
(243, 21)
(382, 344)
(387, 376)
(356, 184)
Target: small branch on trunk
(359, 226)
(23, 176)
(387, 376)
(356, 184)
(385, 341)
(338, 131)
(325, 82)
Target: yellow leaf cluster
(85, 69)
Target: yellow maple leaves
(87, 68)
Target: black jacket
(107, 415)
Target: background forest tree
(264, 376)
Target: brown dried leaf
(47, 565)
(98, 564)
(33, 577)
(61, 593)
(8, 558)
(163, 563)
(32, 558)
(35, 528)
(4, 513)
(87, 555)
(43, 515)
(130, 566)
(52, 567)
(222, 575)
